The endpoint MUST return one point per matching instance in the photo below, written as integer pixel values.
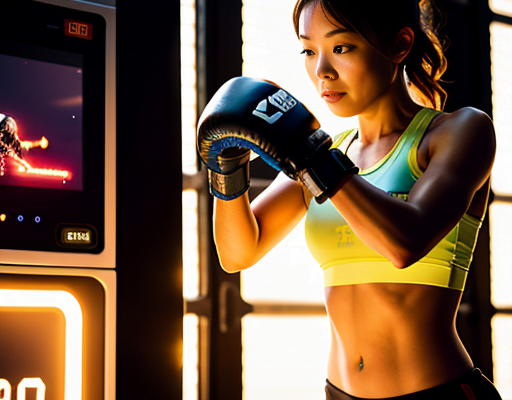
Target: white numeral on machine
(21, 390)
(5, 390)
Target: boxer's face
(350, 75)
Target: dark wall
(467, 78)
(150, 305)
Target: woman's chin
(342, 111)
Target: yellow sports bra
(346, 260)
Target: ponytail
(426, 62)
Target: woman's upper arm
(461, 153)
(278, 209)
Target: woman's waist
(396, 366)
(393, 333)
(401, 317)
(396, 344)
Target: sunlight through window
(284, 357)
(501, 7)
(502, 354)
(188, 85)
(501, 58)
(190, 357)
(501, 253)
(189, 198)
(501, 211)
(190, 245)
(271, 279)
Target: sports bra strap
(340, 138)
(426, 116)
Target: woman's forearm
(402, 232)
(245, 232)
(236, 233)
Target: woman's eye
(307, 52)
(340, 49)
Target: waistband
(472, 386)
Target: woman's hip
(472, 386)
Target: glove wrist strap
(323, 177)
(229, 186)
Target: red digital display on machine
(78, 29)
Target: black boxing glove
(249, 114)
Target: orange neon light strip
(72, 311)
(44, 172)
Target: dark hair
(378, 21)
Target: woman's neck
(390, 114)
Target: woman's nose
(325, 70)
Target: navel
(361, 364)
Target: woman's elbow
(402, 262)
(406, 256)
(232, 266)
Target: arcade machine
(57, 200)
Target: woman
(394, 241)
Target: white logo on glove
(280, 100)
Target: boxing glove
(254, 115)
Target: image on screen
(40, 124)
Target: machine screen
(40, 124)
(52, 129)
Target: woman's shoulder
(464, 134)
(466, 124)
(467, 119)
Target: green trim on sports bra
(347, 260)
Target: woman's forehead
(313, 19)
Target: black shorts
(473, 386)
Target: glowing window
(287, 274)
(501, 254)
(188, 85)
(501, 58)
(190, 245)
(501, 211)
(191, 278)
(190, 357)
(284, 357)
(502, 354)
(501, 7)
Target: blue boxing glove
(253, 115)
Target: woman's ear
(403, 44)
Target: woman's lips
(332, 97)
